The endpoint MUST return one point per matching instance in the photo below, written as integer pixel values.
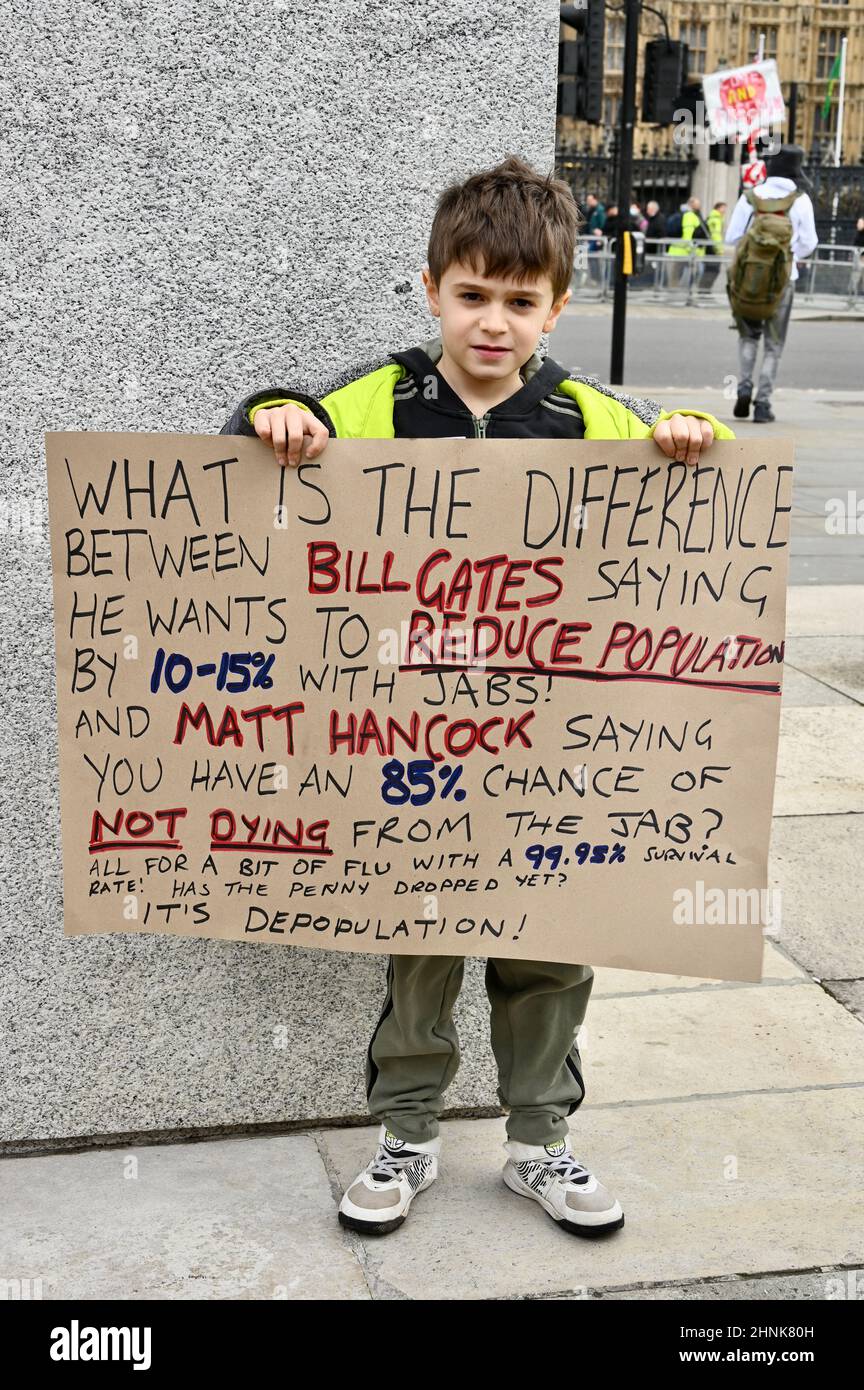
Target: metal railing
(684, 277)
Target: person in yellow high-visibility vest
(714, 221)
(691, 222)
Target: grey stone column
(198, 201)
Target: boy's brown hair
(512, 220)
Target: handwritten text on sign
(497, 698)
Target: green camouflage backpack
(763, 259)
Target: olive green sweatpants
(413, 1055)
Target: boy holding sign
(500, 259)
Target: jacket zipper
(480, 423)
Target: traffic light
(722, 152)
(580, 62)
(665, 75)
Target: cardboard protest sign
(743, 101)
(463, 697)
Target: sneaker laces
(386, 1166)
(569, 1168)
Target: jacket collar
(540, 375)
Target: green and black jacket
(404, 396)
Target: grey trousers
(414, 1053)
(773, 333)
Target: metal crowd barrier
(833, 271)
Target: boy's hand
(681, 437)
(294, 433)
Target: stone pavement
(727, 1117)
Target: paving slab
(816, 861)
(609, 983)
(833, 569)
(799, 689)
(653, 1047)
(824, 611)
(809, 498)
(836, 661)
(820, 763)
(850, 994)
(807, 523)
(827, 469)
(824, 545)
(709, 1188)
(229, 1219)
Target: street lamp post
(625, 186)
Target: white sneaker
(378, 1199)
(563, 1187)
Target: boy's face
(490, 327)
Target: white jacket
(804, 238)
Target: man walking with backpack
(774, 228)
